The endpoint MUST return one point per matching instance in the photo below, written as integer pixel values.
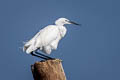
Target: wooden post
(48, 70)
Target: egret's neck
(58, 23)
(62, 29)
(59, 26)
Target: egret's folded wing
(49, 34)
(30, 42)
(44, 36)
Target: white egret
(47, 39)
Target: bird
(47, 39)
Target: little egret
(47, 39)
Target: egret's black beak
(74, 23)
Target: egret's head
(62, 21)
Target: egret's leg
(38, 56)
(43, 55)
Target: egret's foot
(51, 58)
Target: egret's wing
(33, 39)
(44, 36)
(49, 34)
(30, 42)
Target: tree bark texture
(48, 70)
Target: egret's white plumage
(47, 39)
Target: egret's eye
(66, 20)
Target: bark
(48, 70)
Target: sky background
(90, 52)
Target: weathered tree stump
(48, 70)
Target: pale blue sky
(90, 52)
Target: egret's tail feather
(25, 47)
(24, 42)
(20, 47)
(29, 46)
